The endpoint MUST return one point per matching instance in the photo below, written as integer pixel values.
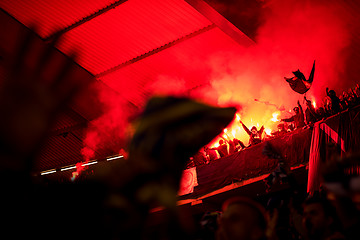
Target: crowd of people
(116, 201)
(331, 105)
(329, 214)
(292, 214)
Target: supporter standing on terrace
(310, 112)
(298, 118)
(236, 144)
(334, 103)
(210, 154)
(254, 134)
(222, 149)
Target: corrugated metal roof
(129, 31)
(58, 151)
(68, 119)
(185, 65)
(52, 16)
(133, 46)
(65, 149)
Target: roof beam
(221, 22)
(152, 52)
(85, 20)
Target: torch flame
(274, 118)
(225, 134)
(268, 131)
(314, 103)
(233, 132)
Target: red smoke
(110, 131)
(79, 169)
(293, 35)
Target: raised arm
(290, 119)
(227, 141)
(245, 128)
(261, 130)
(300, 107)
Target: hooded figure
(299, 83)
(254, 134)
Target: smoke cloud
(293, 34)
(109, 132)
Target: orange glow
(226, 135)
(260, 118)
(275, 117)
(268, 131)
(314, 103)
(246, 84)
(233, 132)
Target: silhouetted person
(340, 183)
(281, 130)
(199, 158)
(254, 134)
(310, 112)
(239, 145)
(114, 202)
(334, 105)
(222, 149)
(242, 219)
(235, 145)
(344, 100)
(320, 220)
(232, 147)
(298, 118)
(321, 113)
(352, 98)
(208, 226)
(211, 154)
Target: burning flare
(268, 131)
(275, 117)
